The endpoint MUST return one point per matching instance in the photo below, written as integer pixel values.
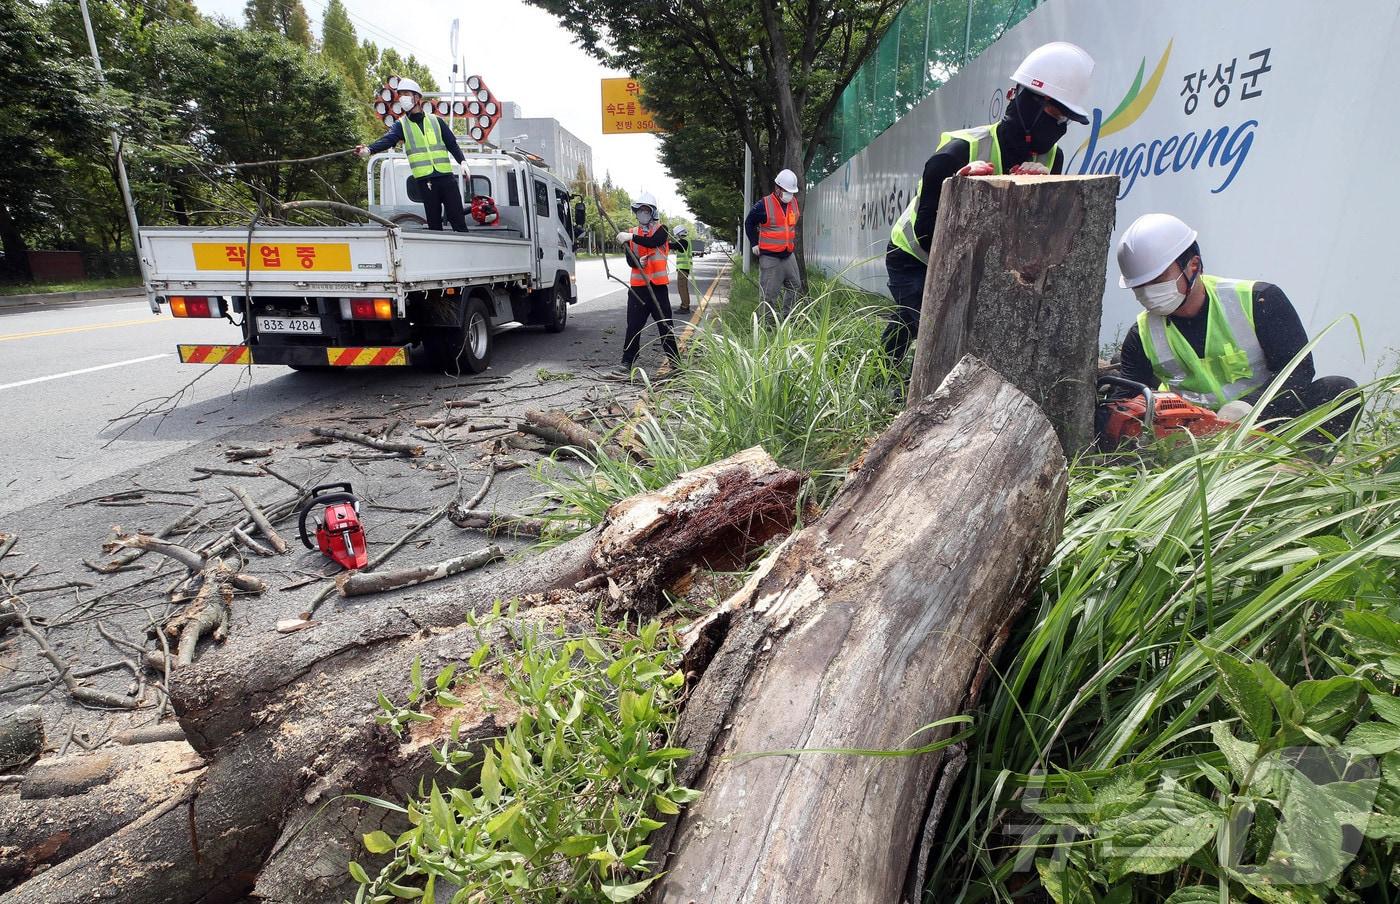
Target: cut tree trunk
(1016, 278)
(21, 738)
(875, 621)
(287, 724)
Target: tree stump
(878, 619)
(1016, 278)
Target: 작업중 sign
(623, 112)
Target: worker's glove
(624, 237)
(361, 151)
(755, 250)
(978, 168)
(1232, 412)
(1030, 168)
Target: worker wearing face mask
(1216, 342)
(772, 230)
(648, 250)
(1051, 88)
(431, 148)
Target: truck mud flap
(353, 356)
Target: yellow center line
(58, 331)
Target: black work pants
(441, 193)
(1290, 404)
(906, 282)
(640, 308)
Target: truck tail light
(366, 309)
(195, 306)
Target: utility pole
(117, 150)
(748, 192)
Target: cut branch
(364, 439)
(357, 583)
(264, 526)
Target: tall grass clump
(1202, 706)
(810, 389)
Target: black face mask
(1026, 113)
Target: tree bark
(873, 622)
(1016, 278)
(21, 738)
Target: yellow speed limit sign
(623, 112)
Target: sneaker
(685, 310)
(620, 374)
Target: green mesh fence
(928, 41)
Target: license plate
(289, 324)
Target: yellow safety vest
(1233, 365)
(427, 154)
(984, 145)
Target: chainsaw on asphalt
(1147, 416)
(339, 534)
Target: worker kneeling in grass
(1216, 342)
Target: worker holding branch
(1051, 87)
(647, 247)
(772, 230)
(1216, 342)
(431, 148)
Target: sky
(524, 55)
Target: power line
(384, 35)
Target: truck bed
(300, 260)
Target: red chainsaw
(339, 534)
(1155, 414)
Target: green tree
(247, 96)
(387, 62)
(286, 17)
(342, 51)
(49, 85)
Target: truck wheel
(466, 348)
(558, 316)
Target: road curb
(10, 301)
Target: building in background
(562, 150)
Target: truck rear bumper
(305, 356)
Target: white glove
(624, 237)
(1030, 168)
(361, 151)
(1232, 412)
(754, 250)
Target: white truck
(313, 297)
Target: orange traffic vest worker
(771, 227)
(648, 249)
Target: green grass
(86, 285)
(1192, 612)
(810, 390)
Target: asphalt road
(73, 380)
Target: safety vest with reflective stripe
(778, 231)
(983, 144)
(683, 254)
(427, 154)
(653, 260)
(1233, 365)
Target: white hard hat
(1149, 247)
(787, 181)
(1060, 71)
(408, 84)
(682, 231)
(646, 199)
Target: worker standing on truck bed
(1051, 88)
(431, 148)
(684, 261)
(771, 227)
(1214, 341)
(647, 249)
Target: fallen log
(246, 454)
(364, 439)
(559, 424)
(287, 725)
(1016, 277)
(895, 600)
(83, 800)
(21, 738)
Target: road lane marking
(85, 370)
(58, 331)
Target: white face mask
(408, 102)
(643, 217)
(1160, 298)
(785, 196)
